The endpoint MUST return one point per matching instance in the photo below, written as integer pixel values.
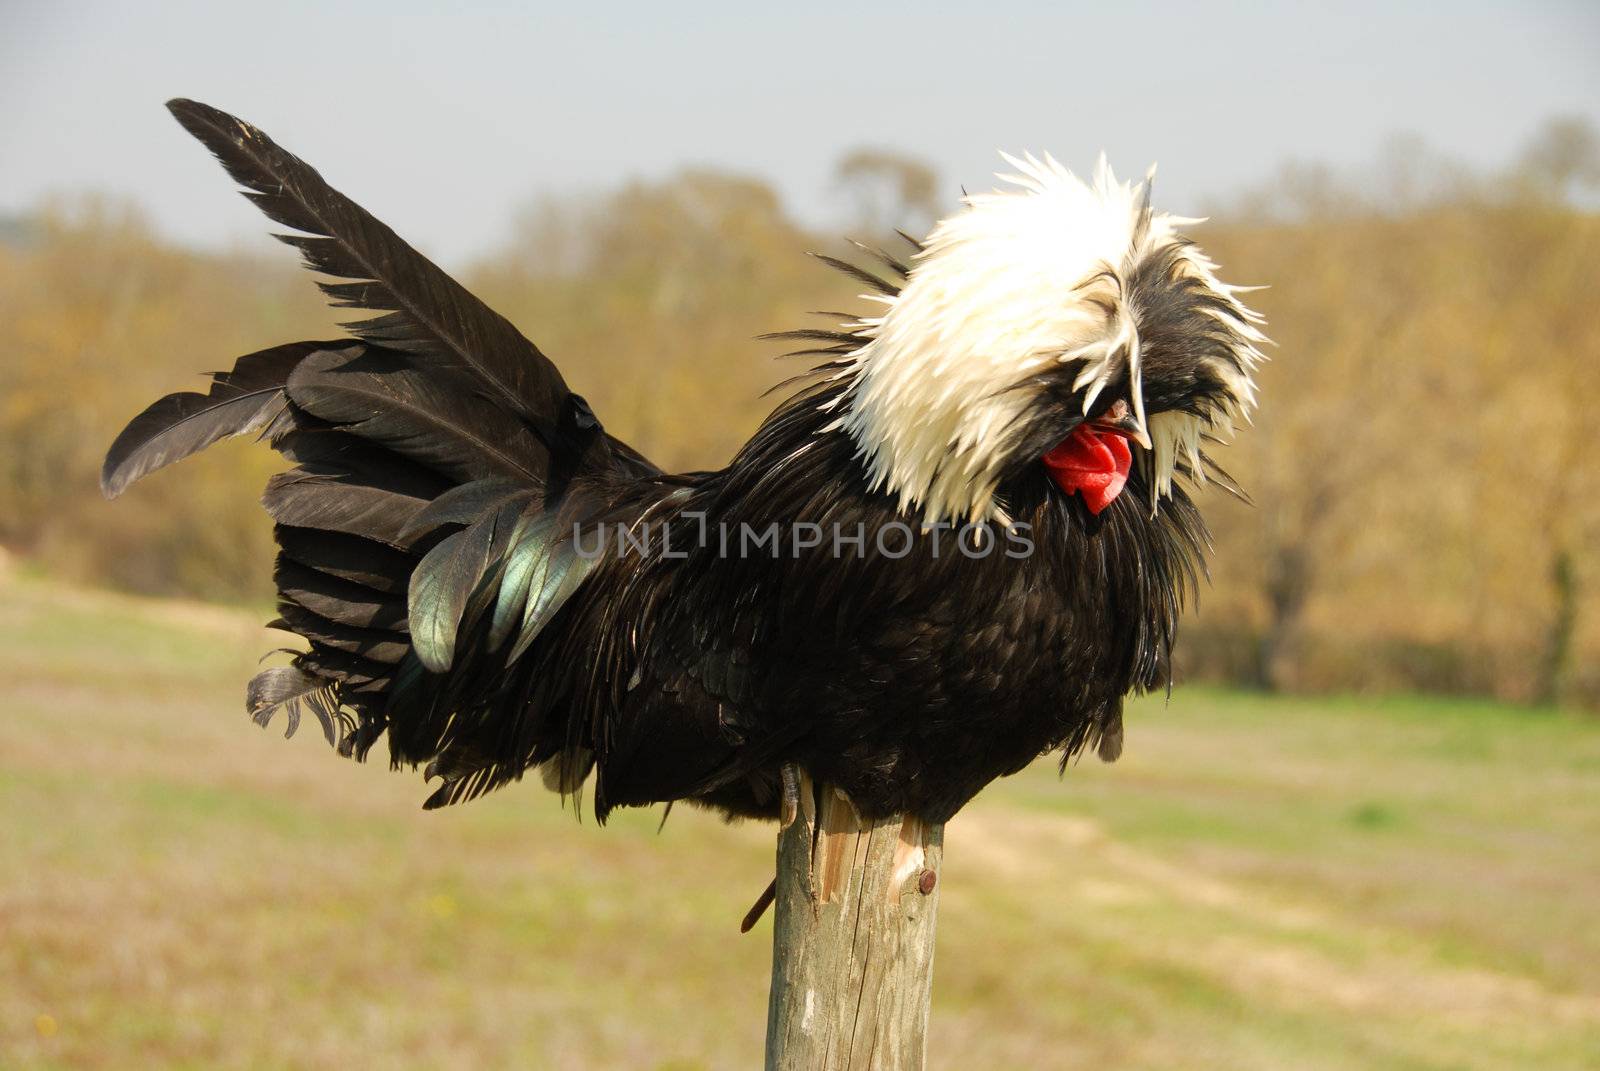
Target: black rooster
(958, 545)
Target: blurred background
(1364, 832)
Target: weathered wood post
(852, 943)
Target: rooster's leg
(788, 811)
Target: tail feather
(306, 440)
(354, 492)
(340, 601)
(421, 558)
(374, 644)
(467, 502)
(243, 400)
(543, 571)
(447, 577)
(351, 671)
(362, 561)
(426, 311)
(424, 414)
(289, 689)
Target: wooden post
(852, 943)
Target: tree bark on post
(852, 942)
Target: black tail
(419, 557)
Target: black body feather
(432, 560)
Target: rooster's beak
(1120, 418)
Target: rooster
(960, 542)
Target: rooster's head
(1056, 329)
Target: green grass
(1260, 883)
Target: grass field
(1259, 883)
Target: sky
(444, 119)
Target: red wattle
(1093, 462)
